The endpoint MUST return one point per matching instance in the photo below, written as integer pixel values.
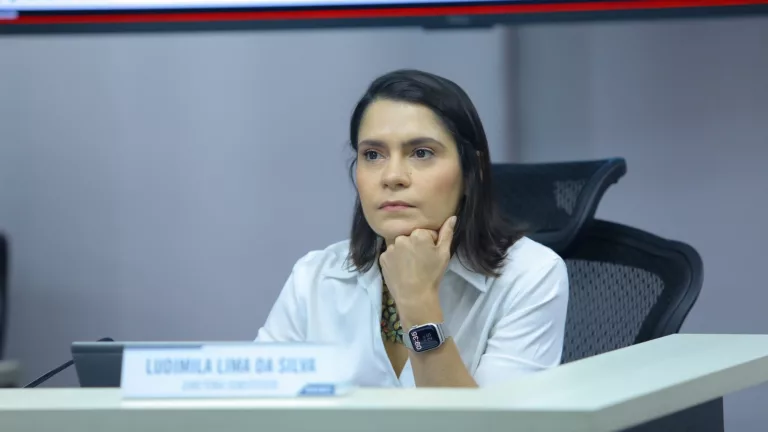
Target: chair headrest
(554, 200)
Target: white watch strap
(407, 340)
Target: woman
(433, 288)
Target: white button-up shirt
(503, 327)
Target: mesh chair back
(554, 200)
(626, 286)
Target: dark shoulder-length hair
(481, 236)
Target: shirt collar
(475, 279)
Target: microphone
(53, 372)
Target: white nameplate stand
(234, 370)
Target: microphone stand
(48, 375)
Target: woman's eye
(371, 155)
(423, 153)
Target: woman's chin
(394, 230)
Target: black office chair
(626, 286)
(4, 258)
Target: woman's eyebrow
(413, 142)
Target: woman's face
(408, 169)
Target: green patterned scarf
(390, 321)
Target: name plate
(234, 370)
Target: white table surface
(609, 392)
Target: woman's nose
(395, 174)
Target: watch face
(424, 338)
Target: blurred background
(159, 186)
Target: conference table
(614, 391)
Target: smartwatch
(425, 337)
